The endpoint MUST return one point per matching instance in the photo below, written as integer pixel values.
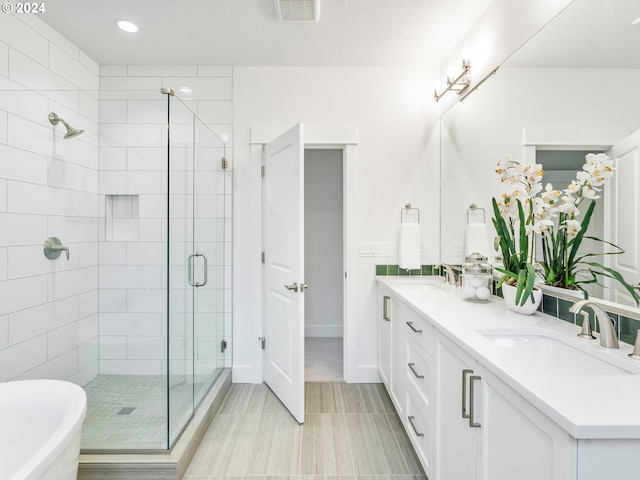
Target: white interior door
(623, 208)
(284, 286)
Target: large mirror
(573, 88)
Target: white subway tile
(22, 293)
(149, 158)
(88, 206)
(89, 105)
(4, 59)
(130, 183)
(113, 71)
(71, 336)
(89, 62)
(130, 277)
(147, 111)
(146, 347)
(4, 263)
(87, 254)
(34, 321)
(130, 324)
(30, 136)
(112, 300)
(128, 135)
(113, 347)
(23, 38)
(202, 88)
(73, 230)
(3, 194)
(113, 158)
(150, 84)
(88, 303)
(26, 261)
(210, 206)
(150, 230)
(20, 358)
(27, 104)
(4, 331)
(214, 71)
(72, 177)
(120, 94)
(70, 68)
(4, 126)
(86, 374)
(113, 253)
(58, 368)
(146, 253)
(67, 99)
(130, 367)
(153, 206)
(88, 155)
(147, 300)
(162, 70)
(34, 75)
(215, 111)
(22, 229)
(210, 158)
(113, 111)
(89, 353)
(36, 23)
(74, 282)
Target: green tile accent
(550, 305)
(392, 269)
(563, 310)
(403, 272)
(417, 272)
(427, 270)
(628, 329)
(381, 269)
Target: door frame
(315, 137)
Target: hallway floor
(350, 430)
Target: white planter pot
(509, 295)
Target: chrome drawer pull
(412, 366)
(464, 392)
(385, 308)
(413, 328)
(418, 434)
(472, 422)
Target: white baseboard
(364, 374)
(323, 331)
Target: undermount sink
(546, 354)
(421, 284)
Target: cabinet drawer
(419, 372)
(420, 430)
(420, 330)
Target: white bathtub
(40, 427)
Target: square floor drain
(126, 410)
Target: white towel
(409, 251)
(477, 240)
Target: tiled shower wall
(48, 187)
(133, 258)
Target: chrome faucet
(449, 275)
(608, 337)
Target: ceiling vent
(297, 10)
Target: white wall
(133, 261)
(490, 123)
(48, 187)
(397, 162)
(323, 240)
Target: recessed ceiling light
(127, 26)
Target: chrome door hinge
(225, 164)
(262, 257)
(263, 341)
(262, 171)
(223, 346)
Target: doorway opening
(324, 264)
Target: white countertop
(585, 404)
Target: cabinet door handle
(385, 308)
(465, 372)
(412, 366)
(410, 324)
(472, 422)
(418, 434)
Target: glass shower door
(195, 282)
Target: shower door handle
(190, 274)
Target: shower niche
(122, 215)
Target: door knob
(293, 286)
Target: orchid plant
(553, 214)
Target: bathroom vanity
(485, 393)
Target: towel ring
(407, 208)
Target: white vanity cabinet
(384, 336)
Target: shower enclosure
(138, 314)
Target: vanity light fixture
(458, 84)
(126, 25)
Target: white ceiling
(246, 32)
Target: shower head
(71, 132)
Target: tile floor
(323, 359)
(350, 431)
